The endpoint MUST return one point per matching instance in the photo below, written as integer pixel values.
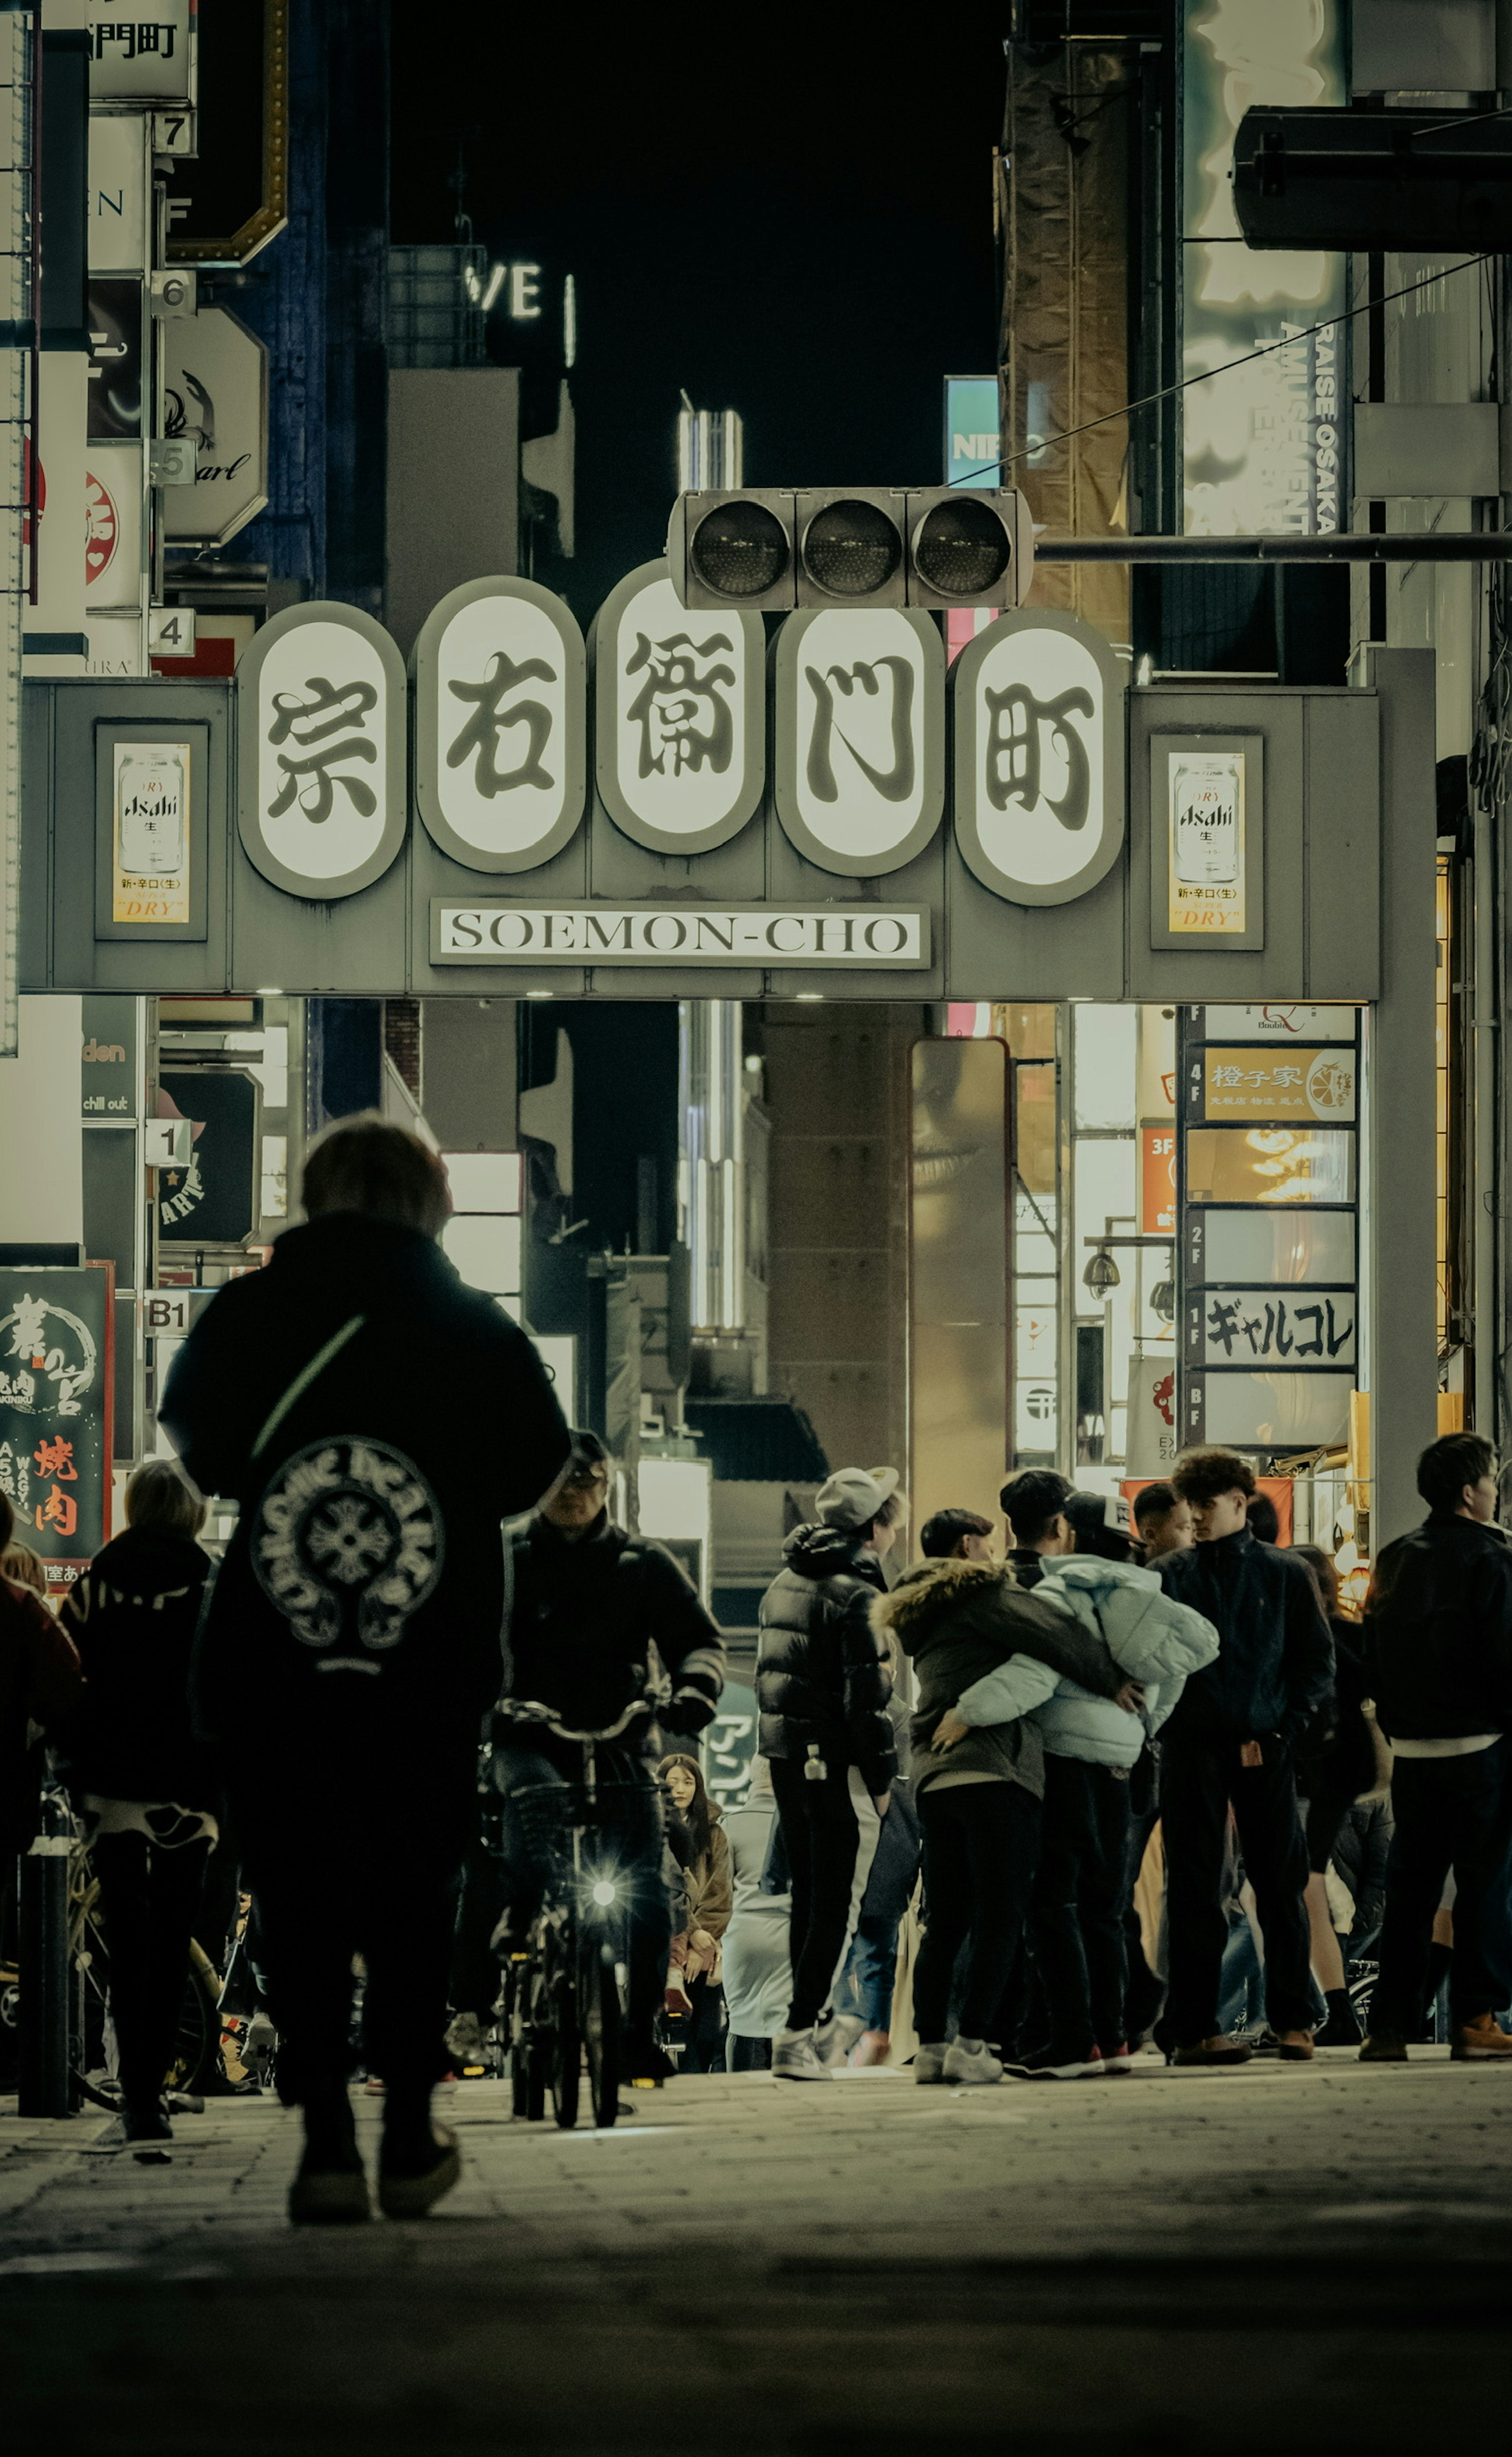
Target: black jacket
(1275, 1668)
(1439, 1631)
(133, 1617)
(1338, 1755)
(583, 1620)
(355, 1625)
(821, 1674)
(1027, 1567)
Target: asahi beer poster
(149, 859)
(1207, 843)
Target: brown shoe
(1481, 2041)
(1381, 2047)
(1211, 2052)
(1296, 2047)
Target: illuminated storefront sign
(973, 441)
(1038, 703)
(1263, 444)
(679, 738)
(678, 934)
(57, 1398)
(500, 724)
(860, 777)
(324, 793)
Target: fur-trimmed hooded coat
(959, 1620)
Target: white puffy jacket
(1156, 1641)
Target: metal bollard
(44, 2025)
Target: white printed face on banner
(323, 783)
(500, 713)
(681, 755)
(1039, 757)
(859, 774)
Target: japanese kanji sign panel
(54, 1400)
(679, 734)
(858, 778)
(500, 755)
(1269, 1083)
(1157, 1180)
(323, 802)
(140, 50)
(1295, 1327)
(1038, 704)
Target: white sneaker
(929, 2063)
(970, 2061)
(834, 2035)
(793, 2059)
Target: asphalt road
(1280, 2259)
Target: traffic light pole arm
(1339, 546)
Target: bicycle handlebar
(529, 1711)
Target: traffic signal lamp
(768, 548)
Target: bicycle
(567, 1991)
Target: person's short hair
(1202, 1474)
(894, 1511)
(159, 1495)
(1451, 1463)
(1325, 1578)
(1156, 1501)
(1031, 1499)
(21, 1567)
(1264, 1518)
(1100, 1524)
(367, 1163)
(939, 1535)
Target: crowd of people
(1018, 1811)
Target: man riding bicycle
(599, 1622)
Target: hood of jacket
(144, 1562)
(815, 1551)
(927, 1595)
(1151, 1638)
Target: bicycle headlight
(605, 1890)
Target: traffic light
(768, 548)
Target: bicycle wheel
(567, 2047)
(517, 2023)
(197, 2041)
(599, 2016)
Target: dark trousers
(328, 1890)
(829, 1831)
(1196, 1786)
(149, 1897)
(747, 2056)
(1450, 1812)
(980, 1843)
(1076, 1917)
(700, 2034)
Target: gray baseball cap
(854, 1496)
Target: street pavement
(1282, 2258)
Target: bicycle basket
(626, 1812)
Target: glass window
(1106, 1038)
(1104, 1191)
(1268, 1165)
(1285, 1249)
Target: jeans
(980, 1842)
(150, 1896)
(830, 1832)
(1198, 1781)
(1077, 1913)
(1450, 1812)
(871, 1970)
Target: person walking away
(40, 1683)
(1437, 1644)
(1038, 1531)
(758, 1974)
(1336, 1765)
(1162, 1523)
(821, 1691)
(703, 1853)
(144, 1787)
(984, 1654)
(1232, 1738)
(600, 1622)
(1082, 1890)
(956, 1536)
(375, 1421)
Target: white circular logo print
(347, 1544)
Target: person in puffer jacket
(1076, 1917)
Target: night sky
(796, 223)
